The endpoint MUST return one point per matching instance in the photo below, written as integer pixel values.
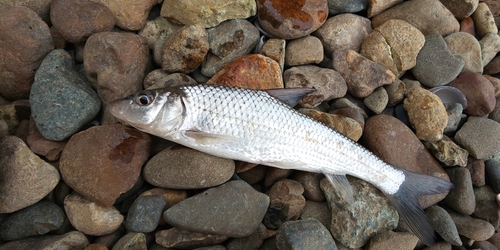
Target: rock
(342, 124)
(480, 137)
(490, 46)
(42, 8)
(24, 41)
(328, 83)
(273, 175)
(110, 239)
(354, 224)
(179, 167)
(38, 219)
(495, 239)
(207, 13)
(454, 111)
(78, 20)
(70, 240)
(338, 7)
(131, 241)
(361, 75)
(466, 47)
(461, 197)
(477, 171)
(488, 211)
(252, 71)
(460, 8)
(478, 91)
(492, 169)
(484, 245)
(4, 129)
(394, 44)
(275, 49)
(184, 239)
(348, 107)
(429, 16)
(439, 246)
(436, 65)
(375, 7)
(493, 67)
(291, 20)
(112, 163)
(495, 81)
(253, 175)
(129, 15)
(444, 225)
(304, 234)
(342, 32)
(310, 183)
(144, 214)
(229, 41)
(233, 209)
(304, 50)
(172, 196)
(160, 79)
(427, 114)
(377, 100)
(475, 229)
(467, 26)
(24, 177)
(286, 204)
(447, 152)
(484, 20)
(62, 102)
(115, 63)
(96, 246)
(159, 28)
(393, 240)
(318, 211)
(42, 146)
(393, 142)
(395, 92)
(253, 241)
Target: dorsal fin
(290, 96)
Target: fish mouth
(117, 107)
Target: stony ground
(415, 82)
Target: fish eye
(144, 99)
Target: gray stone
(70, 240)
(461, 197)
(492, 169)
(454, 111)
(490, 46)
(304, 234)
(395, 92)
(340, 6)
(472, 228)
(62, 102)
(465, 46)
(131, 241)
(447, 152)
(377, 100)
(145, 213)
(442, 222)
(480, 136)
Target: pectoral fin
(207, 138)
(290, 96)
(341, 184)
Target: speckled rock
(112, 163)
(233, 209)
(393, 240)
(207, 13)
(23, 45)
(328, 83)
(160, 79)
(310, 182)
(478, 91)
(129, 14)
(179, 167)
(275, 49)
(461, 197)
(454, 111)
(342, 124)
(484, 20)
(184, 239)
(475, 229)
(304, 234)
(131, 241)
(41, 145)
(490, 46)
(377, 100)
(286, 204)
(480, 136)
(442, 222)
(145, 213)
(78, 20)
(460, 8)
(338, 6)
(304, 50)
(447, 152)
(62, 102)
(466, 47)
(395, 92)
(90, 218)
(344, 31)
(362, 75)
(70, 240)
(158, 28)
(375, 7)
(24, 177)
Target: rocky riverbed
(415, 82)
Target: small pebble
(393, 240)
(466, 46)
(184, 239)
(467, 26)
(305, 50)
(490, 46)
(310, 182)
(483, 245)
(478, 91)
(41, 145)
(253, 175)
(131, 241)
(439, 246)
(273, 175)
(447, 152)
(286, 204)
(483, 20)
(338, 6)
(496, 84)
(304, 234)
(472, 228)
(480, 137)
(488, 211)
(444, 225)
(377, 100)
(395, 92)
(129, 16)
(145, 213)
(493, 66)
(461, 197)
(69, 240)
(4, 128)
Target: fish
(262, 127)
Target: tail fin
(405, 201)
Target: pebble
(461, 8)
(310, 183)
(275, 49)
(131, 241)
(252, 71)
(233, 209)
(253, 175)
(436, 65)
(338, 6)
(91, 218)
(253, 241)
(393, 142)
(467, 26)
(77, 20)
(483, 245)
(115, 64)
(25, 40)
(484, 20)
(24, 178)
(362, 75)
(477, 171)
(184, 239)
(38, 219)
(328, 83)
(454, 111)
(112, 163)
(160, 79)
(490, 46)
(286, 204)
(347, 126)
(495, 81)
(492, 169)
(158, 28)
(40, 145)
(439, 246)
(427, 114)
(185, 50)
(69, 240)
(375, 7)
(480, 137)
(129, 15)
(273, 175)
(229, 41)
(291, 20)
(447, 152)
(354, 224)
(461, 197)
(62, 102)
(393, 240)
(179, 167)
(304, 50)
(465, 46)
(495, 239)
(478, 91)
(343, 104)
(207, 13)
(96, 246)
(488, 211)
(444, 225)
(377, 100)
(475, 229)
(41, 7)
(493, 66)
(429, 16)
(394, 44)
(304, 234)
(317, 210)
(395, 92)
(344, 31)
(144, 214)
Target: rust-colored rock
(478, 91)
(103, 162)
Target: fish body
(253, 126)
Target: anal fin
(341, 184)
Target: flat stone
(472, 228)
(310, 182)
(129, 15)
(375, 7)
(304, 234)
(393, 240)
(461, 197)
(377, 100)
(131, 241)
(478, 91)
(484, 20)
(490, 46)
(340, 123)
(24, 178)
(444, 225)
(184, 239)
(144, 214)
(304, 50)
(70, 240)
(480, 137)
(40, 145)
(286, 204)
(338, 6)
(460, 8)
(465, 46)
(447, 152)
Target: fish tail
(406, 203)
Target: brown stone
(478, 91)
(172, 196)
(310, 182)
(342, 124)
(41, 7)
(377, 6)
(129, 14)
(43, 146)
(184, 239)
(251, 71)
(477, 171)
(287, 203)
(275, 49)
(304, 50)
(254, 174)
(493, 67)
(460, 8)
(59, 41)
(96, 246)
(103, 162)
(467, 26)
(24, 41)
(78, 20)
(275, 174)
(495, 81)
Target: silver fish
(258, 127)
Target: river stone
(41, 7)
(479, 93)
(233, 209)
(492, 169)
(442, 222)
(344, 125)
(447, 152)
(461, 197)
(158, 28)
(61, 100)
(130, 14)
(70, 240)
(144, 214)
(40, 145)
(395, 92)
(484, 21)
(338, 6)
(286, 204)
(304, 50)
(183, 239)
(375, 7)
(275, 49)
(377, 101)
(103, 162)
(154, 81)
(472, 228)
(24, 177)
(317, 210)
(370, 214)
(131, 241)
(465, 46)
(253, 241)
(461, 9)
(24, 41)
(38, 219)
(490, 46)
(393, 240)
(480, 137)
(310, 182)
(304, 234)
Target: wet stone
(393, 240)
(461, 197)
(472, 228)
(144, 214)
(447, 152)
(442, 222)
(184, 239)
(304, 50)
(129, 15)
(70, 240)
(131, 241)
(286, 204)
(338, 6)
(304, 234)
(478, 91)
(480, 137)
(62, 102)
(466, 46)
(484, 20)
